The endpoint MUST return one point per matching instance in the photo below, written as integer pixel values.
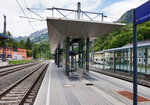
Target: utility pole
(4, 42)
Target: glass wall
(77, 52)
(122, 60)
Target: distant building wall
(19, 54)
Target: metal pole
(93, 52)
(130, 61)
(87, 54)
(114, 61)
(82, 47)
(79, 59)
(134, 60)
(102, 17)
(103, 60)
(72, 58)
(52, 12)
(4, 42)
(58, 56)
(67, 55)
(146, 56)
(78, 10)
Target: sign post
(134, 60)
(140, 15)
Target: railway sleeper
(13, 95)
(8, 103)
(29, 100)
(11, 98)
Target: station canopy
(59, 29)
(3, 37)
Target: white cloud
(21, 27)
(116, 10)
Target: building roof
(130, 45)
(3, 37)
(59, 29)
(99, 52)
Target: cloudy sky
(21, 26)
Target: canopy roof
(59, 29)
(3, 37)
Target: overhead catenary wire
(27, 7)
(36, 13)
(32, 18)
(25, 14)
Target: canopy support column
(59, 56)
(56, 57)
(79, 59)
(82, 61)
(87, 54)
(72, 63)
(67, 55)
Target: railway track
(1, 67)
(11, 70)
(24, 90)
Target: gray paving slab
(102, 92)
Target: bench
(78, 72)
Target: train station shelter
(70, 39)
(121, 59)
(3, 37)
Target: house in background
(14, 54)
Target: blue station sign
(142, 13)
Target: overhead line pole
(4, 42)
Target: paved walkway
(58, 89)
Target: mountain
(126, 17)
(20, 37)
(36, 37)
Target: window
(139, 60)
(139, 54)
(144, 60)
(8, 56)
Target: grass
(20, 61)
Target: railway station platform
(95, 89)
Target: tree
(28, 43)
(22, 44)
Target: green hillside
(122, 37)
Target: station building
(14, 54)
